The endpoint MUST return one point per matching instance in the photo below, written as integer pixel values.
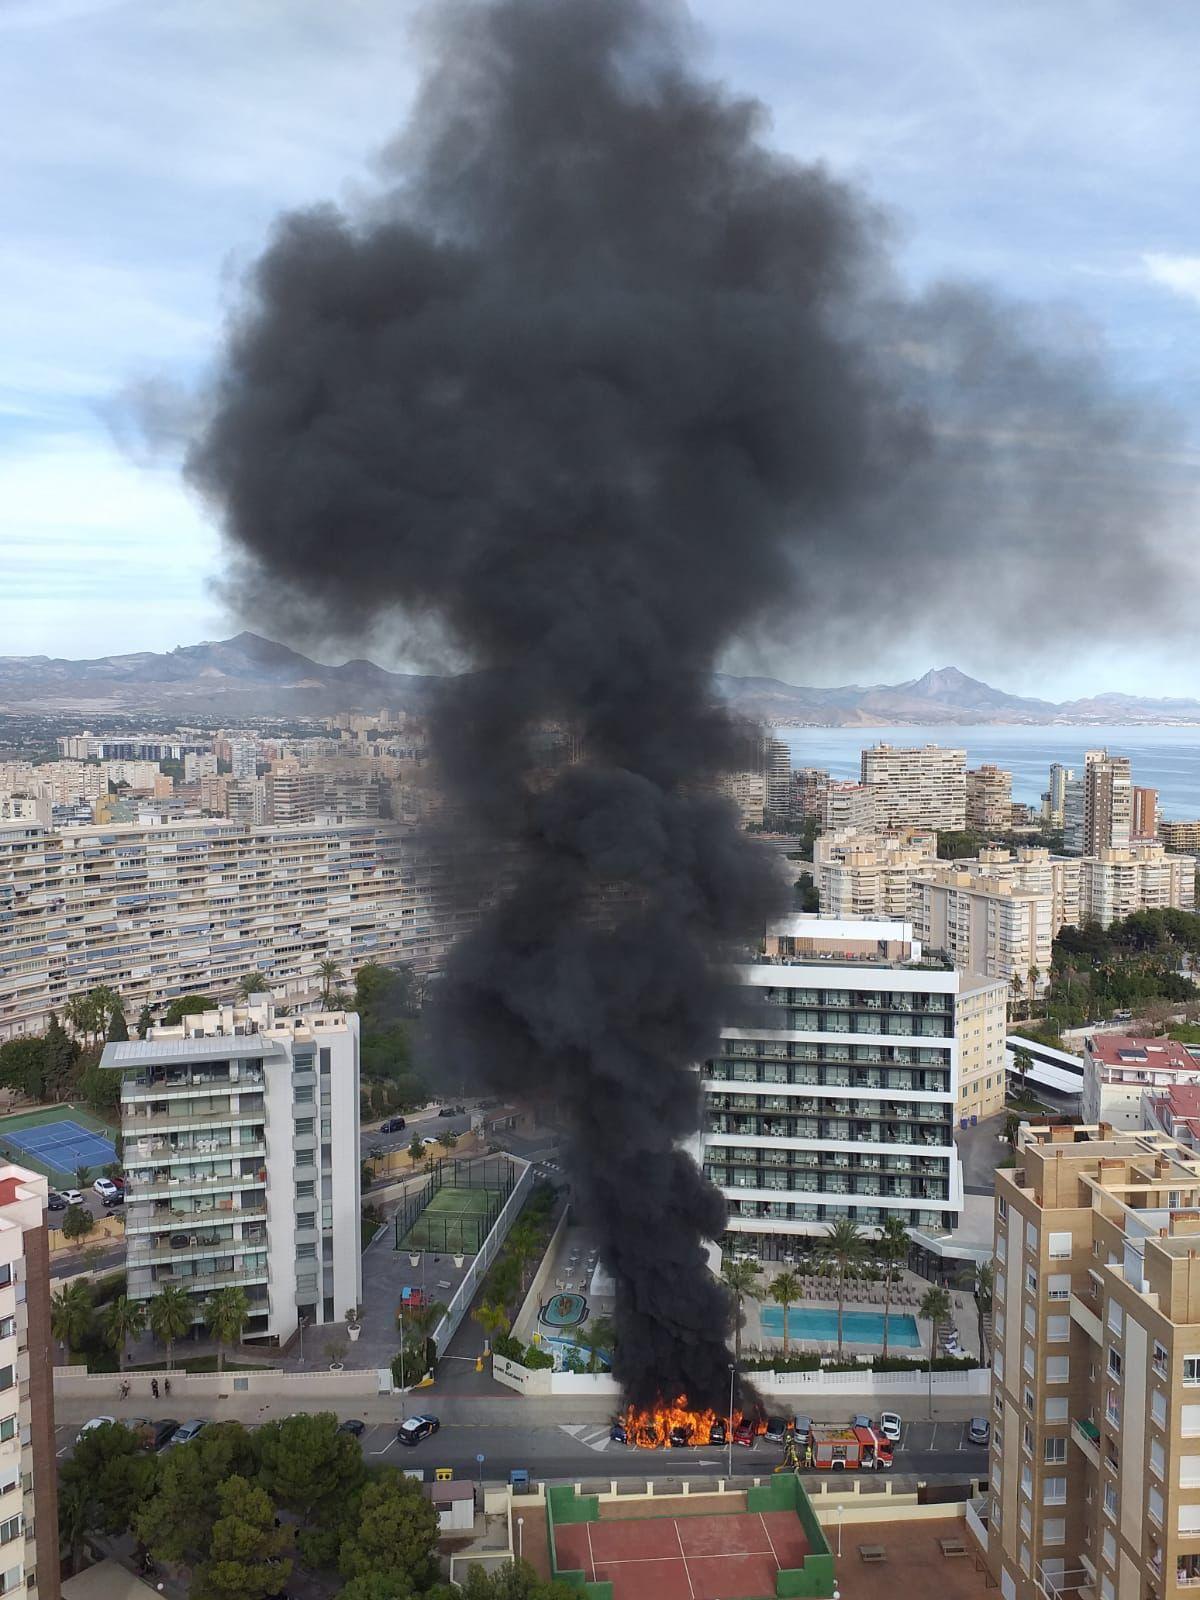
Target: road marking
(386, 1447)
(687, 1574)
(593, 1438)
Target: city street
(426, 1123)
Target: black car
(55, 1201)
(451, 1111)
(718, 1433)
(352, 1425)
(619, 1433)
(160, 1432)
(117, 1198)
(393, 1125)
(680, 1437)
(416, 1429)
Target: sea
(1165, 758)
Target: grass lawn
(454, 1220)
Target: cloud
(1180, 274)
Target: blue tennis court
(63, 1145)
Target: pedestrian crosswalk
(593, 1438)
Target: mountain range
(248, 674)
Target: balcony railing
(135, 1125)
(1087, 1436)
(172, 1188)
(199, 1281)
(145, 1219)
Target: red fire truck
(840, 1449)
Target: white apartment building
(28, 1476)
(1138, 877)
(849, 805)
(1098, 807)
(865, 874)
(917, 788)
(190, 907)
(242, 1160)
(836, 1093)
(243, 757)
(748, 791)
(1055, 798)
(984, 924)
(1119, 1070)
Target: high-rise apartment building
(1095, 1467)
(917, 788)
(985, 924)
(1099, 806)
(243, 757)
(849, 805)
(1141, 877)
(1144, 821)
(28, 1475)
(989, 798)
(808, 792)
(191, 907)
(777, 770)
(861, 874)
(1181, 836)
(294, 794)
(242, 1160)
(836, 1093)
(1054, 801)
(748, 791)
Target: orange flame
(651, 1428)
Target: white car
(890, 1426)
(96, 1422)
(104, 1187)
(72, 1196)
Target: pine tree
(118, 1030)
(144, 1022)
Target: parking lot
(920, 1437)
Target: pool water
(858, 1327)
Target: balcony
(203, 1247)
(200, 1282)
(152, 1219)
(1086, 1319)
(165, 1188)
(1087, 1436)
(137, 1124)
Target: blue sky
(1046, 150)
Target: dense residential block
(917, 788)
(242, 1161)
(1095, 1471)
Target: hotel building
(917, 788)
(1095, 1466)
(836, 1094)
(160, 910)
(28, 1476)
(242, 1160)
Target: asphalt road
(427, 1123)
(583, 1452)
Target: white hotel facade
(840, 1098)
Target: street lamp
(729, 1435)
(840, 1509)
(520, 1538)
(303, 1325)
(400, 1320)
(480, 1458)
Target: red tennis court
(725, 1557)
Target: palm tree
(331, 975)
(76, 1513)
(124, 1319)
(741, 1278)
(935, 1308)
(597, 1336)
(169, 1316)
(493, 1319)
(843, 1248)
(71, 1315)
(253, 983)
(892, 1247)
(984, 1285)
(225, 1312)
(785, 1290)
(82, 1174)
(524, 1244)
(420, 1321)
(1017, 986)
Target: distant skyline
(151, 142)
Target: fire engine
(840, 1449)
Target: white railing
(976, 1523)
(465, 1293)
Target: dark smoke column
(583, 389)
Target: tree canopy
(396, 1529)
(249, 1556)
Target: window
(1158, 1408)
(304, 1127)
(1031, 1238)
(8, 1428)
(1027, 1480)
(1030, 1321)
(303, 1095)
(6, 1377)
(306, 1189)
(998, 1403)
(1001, 1247)
(1054, 1448)
(1026, 1559)
(1058, 1329)
(1157, 1458)
(1110, 1501)
(1112, 1408)
(1109, 1547)
(1189, 1519)
(1059, 1286)
(325, 1061)
(5, 1275)
(1002, 1207)
(306, 1219)
(1031, 1280)
(1027, 1437)
(1114, 1363)
(1116, 1317)
(1054, 1491)
(1107, 1592)
(1189, 1472)
(998, 1364)
(10, 1530)
(1056, 1410)
(1160, 1359)
(1054, 1530)
(1026, 1519)
(1191, 1369)
(1060, 1247)
(306, 1252)
(1058, 1369)
(1027, 1359)
(8, 1326)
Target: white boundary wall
(971, 1382)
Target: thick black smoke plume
(591, 384)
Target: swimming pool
(858, 1327)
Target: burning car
(746, 1432)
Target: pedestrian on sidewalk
(154, 1387)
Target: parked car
(72, 1197)
(163, 1432)
(352, 1425)
(119, 1180)
(859, 1420)
(452, 1111)
(94, 1422)
(104, 1187)
(393, 1125)
(778, 1429)
(416, 1429)
(116, 1198)
(746, 1433)
(55, 1201)
(187, 1431)
(618, 1433)
(804, 1427)
(718, 1434)
(890, 1425)
(979, 1430)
